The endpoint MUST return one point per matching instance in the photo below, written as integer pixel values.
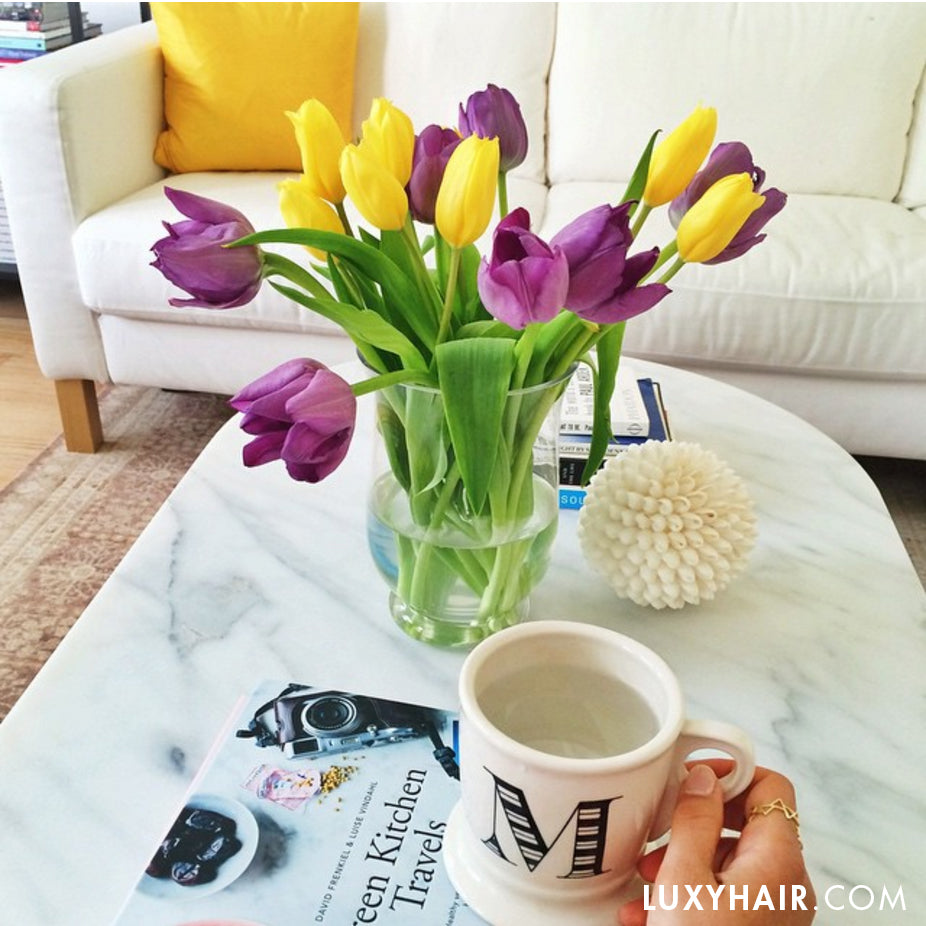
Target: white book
(629, 417)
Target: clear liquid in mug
(569, 711)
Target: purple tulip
(603, 280)
(300, 413)
(194, 258)
(433, 147)
(495, 113)
(526, 280)
(731, 158)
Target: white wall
(114, 15)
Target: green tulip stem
(502, 193)
(668, 252)
(679, 263)
(449, 295)
(345, 221)
(640, 218)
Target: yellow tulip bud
(390, 135)
(303, 208)
(466, 196)
(320, 142)
(677, 158)
(373, 189)
(713, 221)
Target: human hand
(766, 856)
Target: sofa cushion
(113, 252)
(821, 92)
(839, 284)
(427, 58)
(231, 70)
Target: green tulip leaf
(475, 376)
(641, 172)
(609, 355)
(399, 291)
(361, 325)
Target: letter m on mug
(590, 819)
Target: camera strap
(257, 727)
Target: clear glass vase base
(450, 630)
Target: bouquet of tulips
(426, 309)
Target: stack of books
(7, 257)
(637, 415)
(30, 30)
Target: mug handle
(706, 734)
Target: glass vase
(457, 575)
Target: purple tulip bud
(731, 158)
(526, 279)
(300, 413)
(194, 256)
(433, 147)
(495, 113)
(603, 280)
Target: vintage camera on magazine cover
(306, 722)
(334, 721)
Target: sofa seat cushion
(839, 284)
(113, 253)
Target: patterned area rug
(68, 519)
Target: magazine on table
(314, 806)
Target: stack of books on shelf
(7, 257)
(30, 30)
(637, 415)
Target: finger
(648, 866)
(736, 808)
(766, 787)
(771, 813)
(632, 913)
(696, 826)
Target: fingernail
(700, 782)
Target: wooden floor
(28, 409)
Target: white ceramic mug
(572, 747)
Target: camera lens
(328, 714)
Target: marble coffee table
(818, 650)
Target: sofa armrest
(77, 132)
(913, 187)
(93, 111)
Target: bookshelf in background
(30, 30)
(7, 257)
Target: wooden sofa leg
(80, 414)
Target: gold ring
(777, 804)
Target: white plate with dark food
(210, 844)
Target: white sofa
(827, 317)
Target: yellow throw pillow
(231, 70)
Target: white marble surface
(818, 650)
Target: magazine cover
(314, 806)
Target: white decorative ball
(667, 523)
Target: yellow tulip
(301, 207)
(677, 158)
(320, 142)
(713, 221)
(390, 135)
(373, 189)
(466, 196)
